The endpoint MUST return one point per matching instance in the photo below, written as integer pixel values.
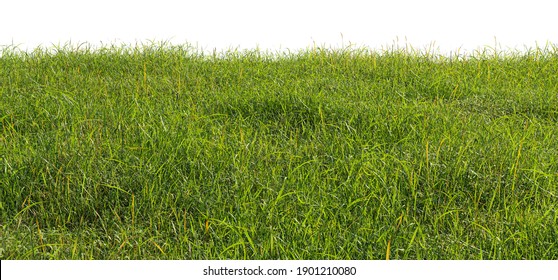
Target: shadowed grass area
(163, 152)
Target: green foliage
(164, 152)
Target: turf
(166, 152)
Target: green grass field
(165, 152)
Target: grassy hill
(164, 152)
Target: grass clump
(164, 152)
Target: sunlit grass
(163, 152)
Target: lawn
(167, 152)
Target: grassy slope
(323, 154)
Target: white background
(155, 270)
(286, 24)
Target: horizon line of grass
(430, 52)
